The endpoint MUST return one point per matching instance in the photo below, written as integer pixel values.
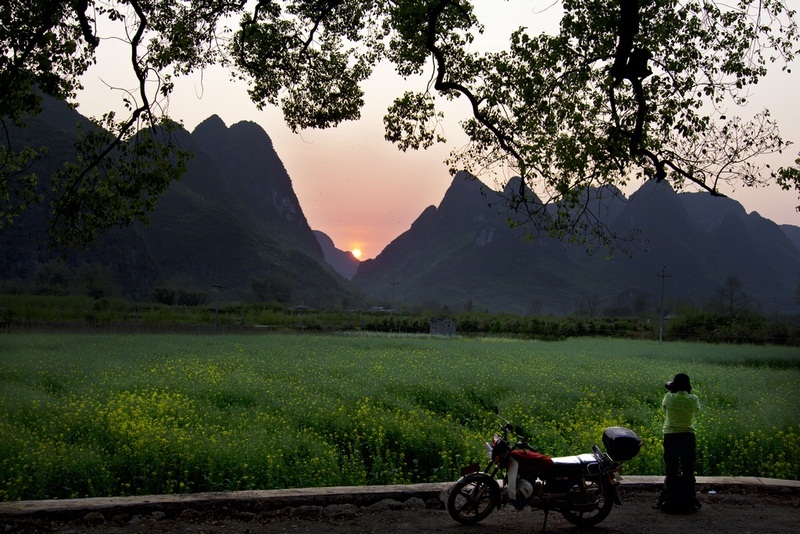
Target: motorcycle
(583, 488)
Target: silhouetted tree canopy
(627, 89)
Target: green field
(102, 415)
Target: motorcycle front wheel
(473, 498)
(590, 502)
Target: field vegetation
(112, 414)
(84, 313)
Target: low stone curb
(267, 501)
(705, 483)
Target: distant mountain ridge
(232, 222)
(463, 254)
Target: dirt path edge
(268, 500)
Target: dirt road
(730, 509)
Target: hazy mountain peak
(427, 216)
(464, 181)
(708, 211)
(213, 124)
(465, 192)
(515, 186)
(250, 126)
(343, 262)
(256, 178)
(655, 187)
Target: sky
(360, 189)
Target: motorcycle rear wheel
(473, 498)
(597, 491)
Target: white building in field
(443, 326)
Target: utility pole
(391, 303)
(663, 277)
(216, 310)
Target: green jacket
(680, 409)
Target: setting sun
(356, 252)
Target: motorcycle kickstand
(546, 515)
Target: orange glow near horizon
(356, 253)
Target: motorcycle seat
(573, 465)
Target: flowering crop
(104, 415)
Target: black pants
(680, 456)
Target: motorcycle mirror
(496, 410)
(519, 430)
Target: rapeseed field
(107, 415)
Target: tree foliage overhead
(626, 89)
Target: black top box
(621, 443)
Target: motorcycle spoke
(473, 499)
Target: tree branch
(631, 64)
(125, 127)
(444, 85)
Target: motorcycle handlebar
(508, 428)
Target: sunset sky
(361, 190)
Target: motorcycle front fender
(482, 476)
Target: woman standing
(680, 446)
